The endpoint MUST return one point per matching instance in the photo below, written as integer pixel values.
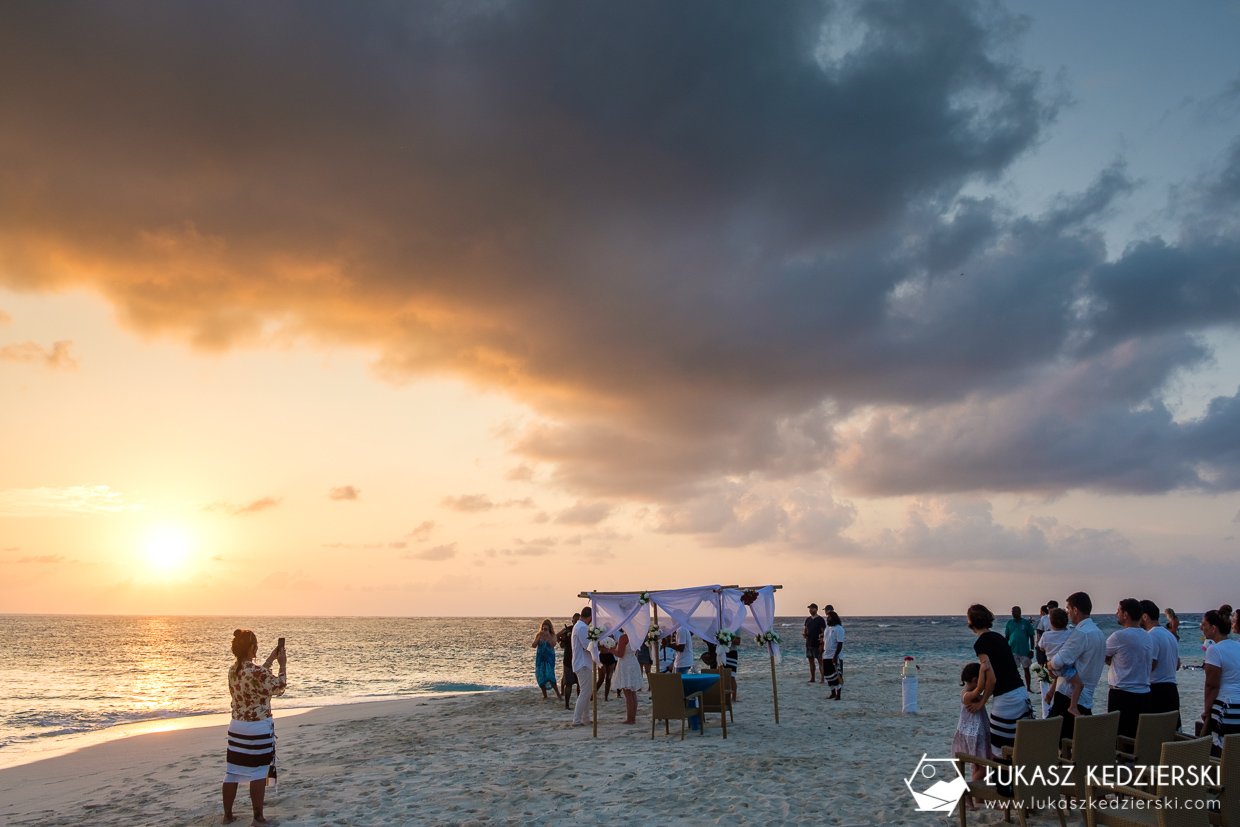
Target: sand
(511, 758)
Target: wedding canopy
(713, 613)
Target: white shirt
(1053, 640)
(1226, 655)
(835, 635)
(1085, 650)
(685, 658)
(1167, 653)
(1131, 652)
(583, 657)
(1043, 625)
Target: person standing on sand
(1019, 634)
(1000, 680)
(1130, 654)
(583, 665)
(568, 678)
(628, 676)
(1164, 688)
(251, 732)
(815, 626)
(544, 660)
(833, 645)
(1085, 650)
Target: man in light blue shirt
(1086, 651)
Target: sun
(167, 547)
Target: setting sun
(167, 547)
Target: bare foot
(258, 822)
(228, 819)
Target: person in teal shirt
(1019, 634)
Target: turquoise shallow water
(86, 673)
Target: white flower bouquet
(643, 598)
(596, 632)
(1041, 673)
(653, 635)
(608, 642)
(768, 637)
(725, 638)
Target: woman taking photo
(251, 733)
(544, 662)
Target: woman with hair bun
(999, 679)
(251, 732)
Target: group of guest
(824, 641)
(1142, 659)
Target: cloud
(58, 357)
(5, 318)
(423, 532)
(520, 473)
(78, 500)
(474, 503)
(469, 503)
(252, 507)
(701, 242)
(443, 552)
(585, 513)
(344, 492)
(42, 558)
(398, 544)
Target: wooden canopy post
(720, 659)
(594, 695)
(770, 648)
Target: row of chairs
(668, 701)
(1096, 743)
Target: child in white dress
(973, 730)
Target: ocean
(72, 674)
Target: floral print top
(251, 687)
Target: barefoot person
(999, 679)
(815, 626)
(544, 661)
(628, 676)
(251, 733)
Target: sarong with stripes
(1226, 718)
(251, 750)
(1005, 711)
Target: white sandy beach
(511, 758)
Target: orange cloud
(58, 357)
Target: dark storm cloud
(707, 240)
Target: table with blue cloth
(697, 683)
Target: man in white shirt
(583, 666)
(1042, 627)
(1164, 689)
(684, 651)
(1085, 651)
(1130, 654)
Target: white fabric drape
(696, 609)
(761, 617)
(621, 611)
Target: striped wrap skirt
(251, 750)
(1225, 720)
(1005, 711)
(831, 673)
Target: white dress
(628, 671)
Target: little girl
(973, 731)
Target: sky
(463, 308)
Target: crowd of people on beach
(1070, 651)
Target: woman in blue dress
(544, 661)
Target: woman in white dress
(628, 676)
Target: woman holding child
(999, 679)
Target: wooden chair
(1171, 805)
(1153, 730)
(711, 697)
(1037, 746)
(668, 701)
(1228, 814)
(1092, 745)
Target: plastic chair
(1228, 814)
(668, 701)
(1036, 747)
(1092, 745)
(1172, 805)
